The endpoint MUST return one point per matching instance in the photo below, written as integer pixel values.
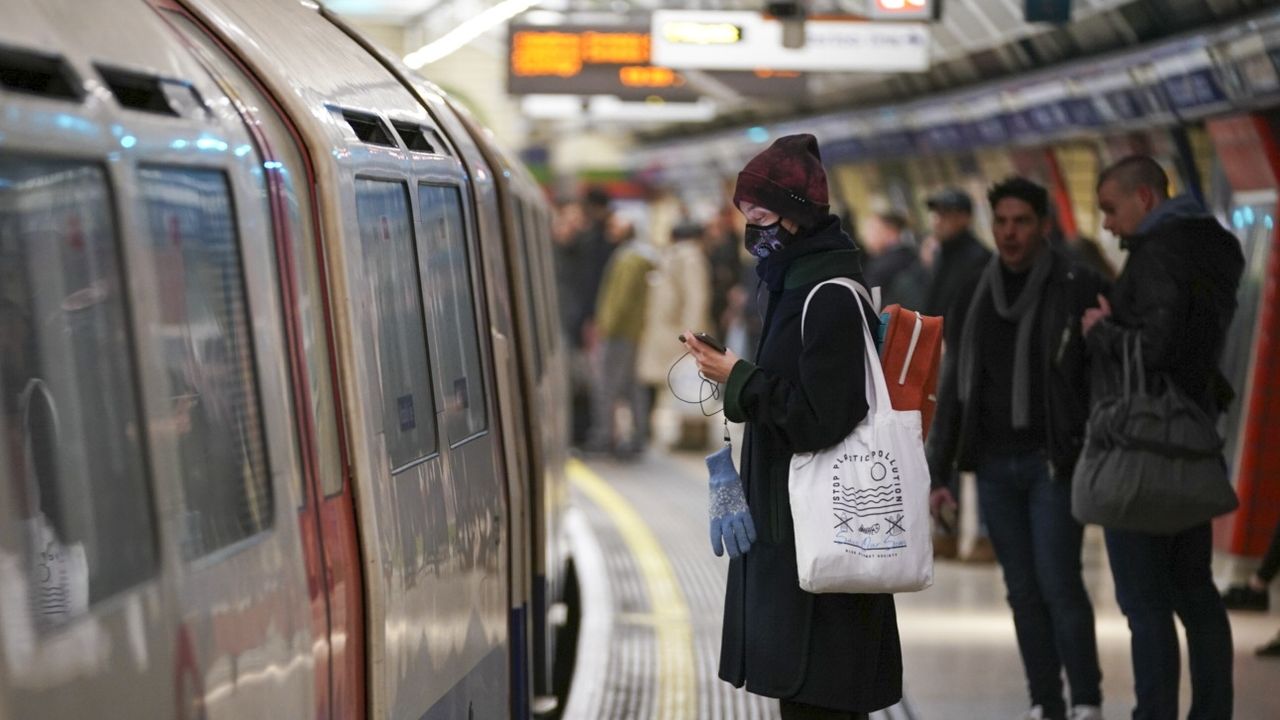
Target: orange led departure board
(614, 60)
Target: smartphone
(708, 340)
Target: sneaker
(1035, 713)
(1085, 712)
(1271, 649)
(1243, 597)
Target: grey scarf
(1023, 311)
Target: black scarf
(1023, 311)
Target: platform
(653, 591)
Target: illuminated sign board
(741, 40)
(904, 9)
(615, 60)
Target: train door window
(550, 309)
(69, 417)
(290, 170)
(203, 336)
(449, 272)
(526, 243)
(399, 327)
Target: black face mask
(763, 240)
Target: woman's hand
(713, 365)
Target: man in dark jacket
(1178, 293)
(580, 264)
(960, 260)
(1013, 407)
(893, 262)
(830, 656)
(961, 257)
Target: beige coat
(679, 299)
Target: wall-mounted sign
(736, 40)
(615, 60)
(904, 9)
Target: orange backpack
(911, 355)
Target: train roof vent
(23, 71)
(420, 139)
(148, 93)
(369, 128)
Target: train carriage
(282, 431)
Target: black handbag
(1152, 461)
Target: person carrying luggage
(1177, 294)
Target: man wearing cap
(831, 656)
(961, 256)
(961, 259)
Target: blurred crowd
(634, 273)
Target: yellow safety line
(677, 675)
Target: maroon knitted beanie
(788, 179)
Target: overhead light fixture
(456, 38)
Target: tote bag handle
(877, 386)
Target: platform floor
(653, 591)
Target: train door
(215, 352)
(536, 349)
(433, 645)
(452, 275)
(517, 423)
(1250, 161)
(326, 513)
(87, 601)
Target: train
(1205, 104)
(282, 383)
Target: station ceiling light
(466, 32)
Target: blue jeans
(1157, 576)
(1038, 545)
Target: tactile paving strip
(669, 496)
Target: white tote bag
(861, 507)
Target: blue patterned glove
(730, 518)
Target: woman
(829, 656)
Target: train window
(36, 74)
(524, 241)
(550, 313)
(399, 324)
(443, 231)
(538, 259)
(368, 128)
(69, 417)
(418, 138)
(202, 335)
(310, 298)
(148, 93)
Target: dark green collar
(822, 266)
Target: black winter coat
(959, 262)
(1069, 290)
(1178, 289)
(901, 277)
(831, 650)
